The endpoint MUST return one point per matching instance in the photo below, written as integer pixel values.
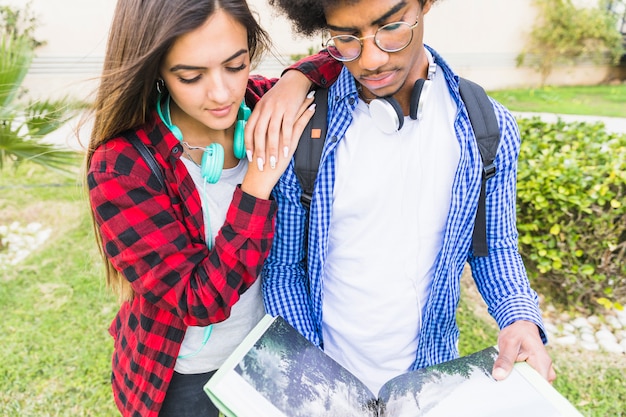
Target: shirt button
(351, 101)
(333, 139)
(175, 150)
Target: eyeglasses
(392, 37)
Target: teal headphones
(211, 168)
(213, 157)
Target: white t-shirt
(247, 312)
(390, 204)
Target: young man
(377, 282)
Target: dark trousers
(185, 397)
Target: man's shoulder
(344, 85)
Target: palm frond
(15, 149)
(22, 127)
(16, 55)
(45, 116)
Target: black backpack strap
(309, 151)
(487, 131)
(146, 155)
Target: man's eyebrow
(182, 67)
(376, 22)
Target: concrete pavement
(612, 124)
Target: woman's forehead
(215, 42)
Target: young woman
(183, 254)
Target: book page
(465, 387)
(284, 369)
(235, 397)
(559, 401)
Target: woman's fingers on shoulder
(300, 125)
(275, 126)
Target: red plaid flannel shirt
(155, 238)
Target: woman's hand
(270, 133)
(260, 179)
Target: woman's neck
(197, 136)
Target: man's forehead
(341, 16)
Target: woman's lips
(220, 112)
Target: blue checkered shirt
(293, 283)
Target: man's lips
(377, 81)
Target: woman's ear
(160, 85)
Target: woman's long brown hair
(141, 33)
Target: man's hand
(520, 342)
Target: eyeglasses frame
(361, 39)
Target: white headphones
(386, 111)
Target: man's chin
(386, 91)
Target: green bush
(572, 210)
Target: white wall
(75, 33)
(479, 38)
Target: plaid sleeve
(147, 235)
(257, 86)
(322, 69)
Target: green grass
(601, 100)
(55, 346)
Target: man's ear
(426, 7)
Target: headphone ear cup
(212, 163)
(387, 114)
(239, 143)
(416, 93)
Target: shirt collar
(162, 138)
(345, 87)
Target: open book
(277, 372)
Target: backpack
(483, 121)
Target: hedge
(571, 208)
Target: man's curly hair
(307, 16)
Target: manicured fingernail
(311, 94)
(249, 155)
(286, 151)
(272, 162)
(311, 107)
(259, 163)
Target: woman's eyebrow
(183, 67)
(235, 55)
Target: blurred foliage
(571, 211)
(566, 34)
(23, 125)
